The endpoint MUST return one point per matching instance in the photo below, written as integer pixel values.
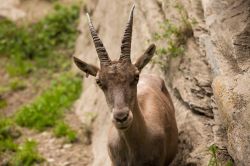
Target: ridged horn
(100, 49)
(127, 38)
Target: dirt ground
(56, 151)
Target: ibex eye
(137, 77)
(98, 82)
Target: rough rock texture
(215, 67)
(9, 9)
(228, 49)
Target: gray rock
(233, 98)
(67, 146)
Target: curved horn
(127, 38)
(100, 49)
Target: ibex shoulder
(151, 81)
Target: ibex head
(118, 79)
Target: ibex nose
(121, 116)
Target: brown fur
(151, 136)
(144, 131)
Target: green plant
(7, 37)
(8, 133)
(169, 36)
(58, 28)
(48, 108)
(214, 160)
(229, 163)
(38, 50)
(3, 89)
(28, 45)
(5, 126)
(63, 130)
(186, 23)
(17, 84)
(52, 1)
(3, 103)
(172, 38)
(8, 145)
(27, 154)
(8, 129)
(19, 67)
(13, 85)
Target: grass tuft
(8, 133)
(16, 85)
(63, 130)
(213, 151)
(8, 129)
(27, 154)
(28, 45)
(8, 145)
(48, 108)
(21, 155)
(3, 103)
(214, 160)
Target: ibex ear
(145, 58)
(87, 68)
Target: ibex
(144, 131)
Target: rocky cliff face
(209, 83)
(229, 27)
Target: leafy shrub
(173, 38)
(48, 108)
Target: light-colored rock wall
(229, 26)
(8, 9)
(215, 67)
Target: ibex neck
(135, 134)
